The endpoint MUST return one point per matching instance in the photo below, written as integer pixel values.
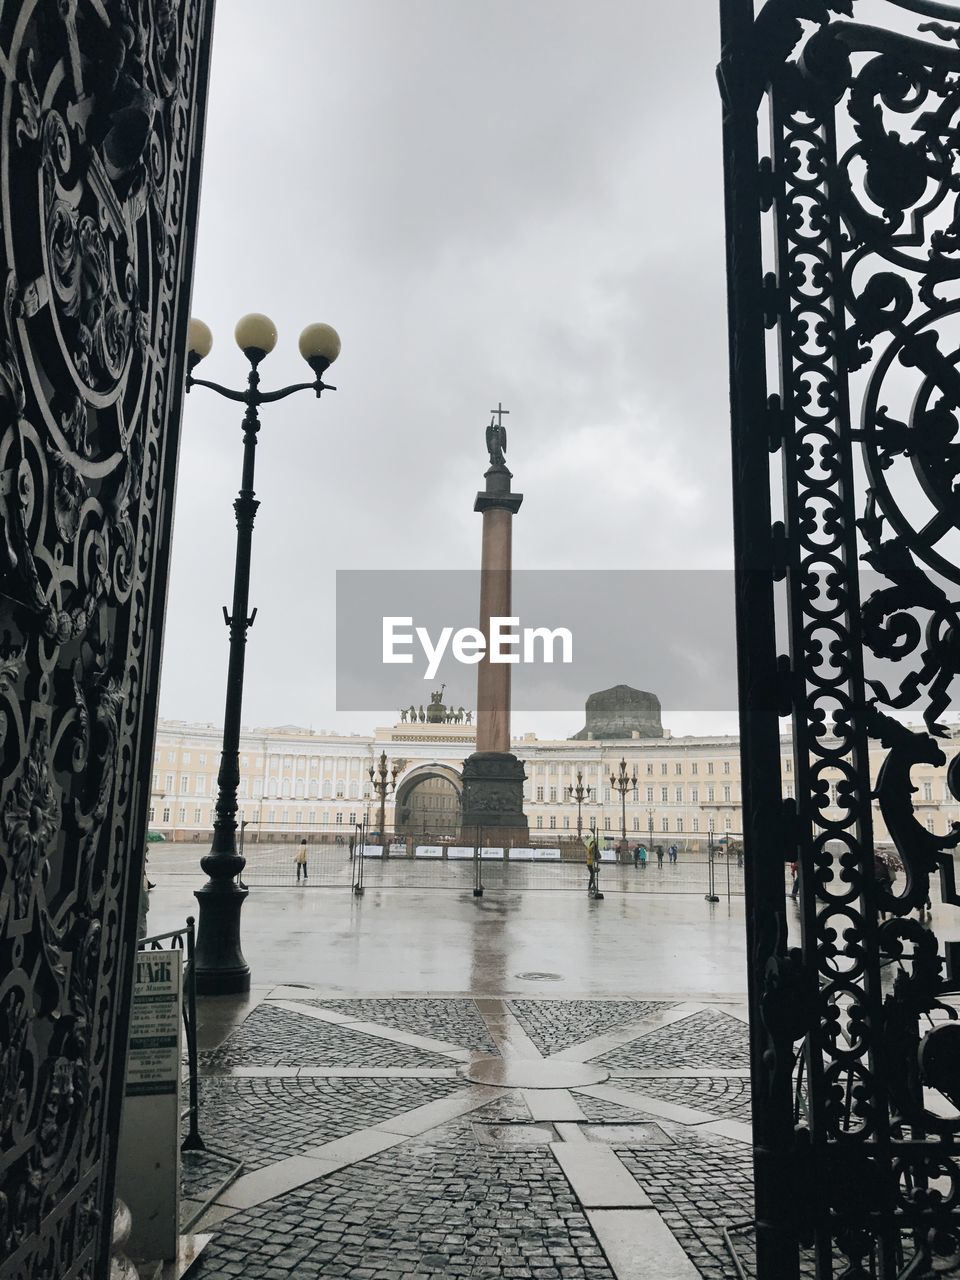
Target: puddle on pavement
(616, 1134)
(514, 1135)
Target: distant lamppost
(219, 963)
(623, 782)
(579, 793)
(384, 780)
(650, 828)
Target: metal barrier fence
(707, 865)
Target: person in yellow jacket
(593, 859)
(301, 861)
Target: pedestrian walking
(659, 857)
(673, 852)
(795, 870)
(643, 857)
(593, 859)
(640, 849)
(301, 861)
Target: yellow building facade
(294, 781)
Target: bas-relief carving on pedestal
(99, 166)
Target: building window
(553, 794)
(202, 758)
(694, 795)
(339, 790)
(726, 794)
(156, 782)
(298, 817)
(709, 766)
(183, 815)
(606, 795)
(169, 782)
(788, 766)
(171, 756)
(711, 825)
(789, 790)
(663, 767)
(696, 824)
(539, 821)
(636, 795)
(566, 824)
(649, 795)
(606, 824)
(553, 822)
(727, 824)
(593, 824)
(636, 824)
(666, 824)
(928, 791)
(711, 794)
(339, 818)
(244, 787)
(679, 766)
(272, 815)
(184, 784)
(930, 824)
(166, 814)
(679, 795)
(245, 761)
(679, 824)
(186, 757)
(649, 768)
(197, 816)
(151, 813)
(664, 795)
(726, 766)
(539, 793)
(202, 784)
(694, 768)
(353, 819)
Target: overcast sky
(491, 200)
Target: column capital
(497, 492)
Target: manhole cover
(514, 1135)
(534, 976)
(627, 1135)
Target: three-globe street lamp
(579, 793)
(383, 781)
(623, 782)
(219, 964)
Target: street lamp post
(623, 782)
(579, 793)
(219, 964)
(383, 780)
(650, 829)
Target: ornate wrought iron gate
(843, 226)
(102, 123)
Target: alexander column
(493, 777)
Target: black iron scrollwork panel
(102, 115)
(844, 227)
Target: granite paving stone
(705, 1039)
(457, 1021)
(277, 1037)
(558, 1024)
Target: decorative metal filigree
(99, 161)
(861, 191)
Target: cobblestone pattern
(719, 1095)
(456, 1021)
(553, 1025)
(438, 1206)
(706, 1039)
(273, 1037)
(262, 1120)
(598, 1110)
(699, 1187)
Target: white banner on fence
(429, 851)
(521, 855)
(397, 849)
(547, 855)
(491, 852)
(608, 855)
(373, 850)
(460, 851)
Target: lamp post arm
(242, 396)
(267, 397)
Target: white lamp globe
(319, 346)
(255, 334)
(199, 339)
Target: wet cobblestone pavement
(367, 1153)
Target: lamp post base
(219, 965)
